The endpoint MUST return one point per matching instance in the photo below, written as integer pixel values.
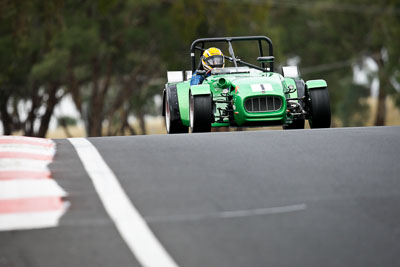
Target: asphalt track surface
(268, 198)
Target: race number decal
(264, 87)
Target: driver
(212, 58)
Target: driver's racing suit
(199, 78)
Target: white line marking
(196, 217)
(19, 195)
(30, 220)
(265, 211)
(227, 214)
(26, 138)
(23, 165)
(28, 188)
(27, 149)
(130, 224)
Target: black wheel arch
(301, 90)
(163, 103)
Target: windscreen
(247, 51)
(229, 70)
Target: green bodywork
(314, 84)
(239, 86)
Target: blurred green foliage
(112, 55)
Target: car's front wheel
(172, 126)
(200, 113)
(320, 109)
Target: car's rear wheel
(200, 113)
(173, 126)
(319, 109)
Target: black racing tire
(200, 113)
(172, 126)
(319, 108)
(296, 124)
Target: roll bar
(229, 40)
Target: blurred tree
(111, 55)
(330, 38)
(26, 30)
(191, 20)
(383, 44)
(65, 122)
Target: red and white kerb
(29, 197)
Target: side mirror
(266, 59)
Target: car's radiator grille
(263, 104)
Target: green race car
(244, 95)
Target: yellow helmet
(212, 58)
